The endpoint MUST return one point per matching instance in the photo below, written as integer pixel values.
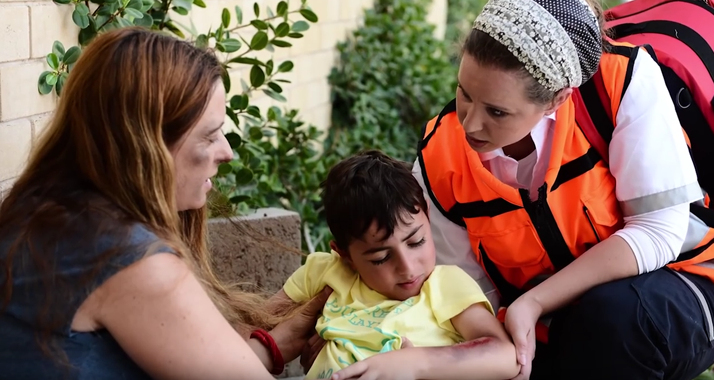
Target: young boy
(386, 286)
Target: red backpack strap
(593, 107)
(593, 113)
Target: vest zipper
(587, 215)
(547, 228)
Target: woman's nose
(225, 153)
(472, 122)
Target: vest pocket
(602, 205)
(516, 248)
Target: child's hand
(393, 365)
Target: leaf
(72, 55)
(257, 76)
(275, 87)
(146, 21)
(295, 35)
(135, 4)
(226, 78)
(224, 168)
(253, 111)
(42, 86)
(136, 14)
(234, 139)
(175, 30)
(199, 3)
(180, 10)
(309, 15)
(269, 67)
(240, 198)
(244, 101)
(185, 4)
(259, 41)
(285, 67)
(86, 35)
(259, 24)
(80, 19)
(146, 5)
(300, 26)
(246, 61)
(53, 61)
(255, 133)
(281, 43)
(274, 95)
(243, 176)
(62, 1)
(123, 23)
(282, 8)
(82, 9)
(239, 15)
(225, 17)
(230, 45)
(256, 10)
(282, 29)
(202, 41)
(235, 101)
(51, 78)
(58, 49)
(60, 83)
(244, 86)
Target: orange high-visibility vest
(520, 242)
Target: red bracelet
(267, 340)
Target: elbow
(657, 238)
(507, 362)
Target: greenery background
(393, 75)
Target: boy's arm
(487, 353)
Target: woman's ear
(560, 98)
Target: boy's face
(395, 267)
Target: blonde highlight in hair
(132, 96)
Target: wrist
(419, 361)
(273, 361)
(532, 301)
(281, 341)
(261, 352)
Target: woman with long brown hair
(104, 270)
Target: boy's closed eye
(387, 256)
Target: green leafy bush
(393, 76)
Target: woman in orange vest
(605, 265)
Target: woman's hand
(291, 335)
(310, 351)
(521, 319)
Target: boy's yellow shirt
(358, 322)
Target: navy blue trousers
(652, 326)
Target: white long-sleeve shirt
(648, 156)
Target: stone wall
(28, 29)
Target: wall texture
(28, 29)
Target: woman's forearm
(261, 352)
(611, 259)
(483, 358)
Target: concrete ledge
(260, 250)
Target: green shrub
(393, 76)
